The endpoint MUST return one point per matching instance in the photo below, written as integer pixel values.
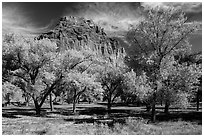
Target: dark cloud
(30, 17)
(15, 18)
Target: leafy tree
(111, 80)
(137, 88)
(40, 66)
(192, 59)
(29, 59)
(81, 84)
(111, 77)
(161, 33)
(180, 81)
(62, 65)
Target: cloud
(114, 16)
(13, 19)
(152, 4)
(19, 20)
(195, 7)
(111, 16)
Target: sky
(37, 17)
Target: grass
(90, 120)
(139, 127)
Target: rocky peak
(75, 32)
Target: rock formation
(75, 33)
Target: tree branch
(50, 89)
(178, 42)
(87, 67)
(114, 88)
(79, 93)
(140, 46)
(73, 66)
(106, 86)
(161, 42)
(23, 66)
(14, 74)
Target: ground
(92, 119)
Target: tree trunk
(74, 106)
(166, 109)
(9, 100)
(109, 103)
(109, 106)
(153, 117)
(74, 102)
(37, 108)
(62, 100)
(148, 107)
(197, 100)
(26, 101)
(51, 103)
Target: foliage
(161, 34)
(39, 67)
(111, 78)
(136, 88)
(11, 93)
(30, 58)
(83, 84)
(180, 81)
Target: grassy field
(92, 119)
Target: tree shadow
(7, 115)
(100, 114)
(62, 111)
(183, 116)
(119, 115)
(15, 112)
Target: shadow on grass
(184, 116)
(14, 112)
(100, 114)
(43, 132)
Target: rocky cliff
(74, 32)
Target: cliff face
(73, 32)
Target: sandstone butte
(75, 33)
